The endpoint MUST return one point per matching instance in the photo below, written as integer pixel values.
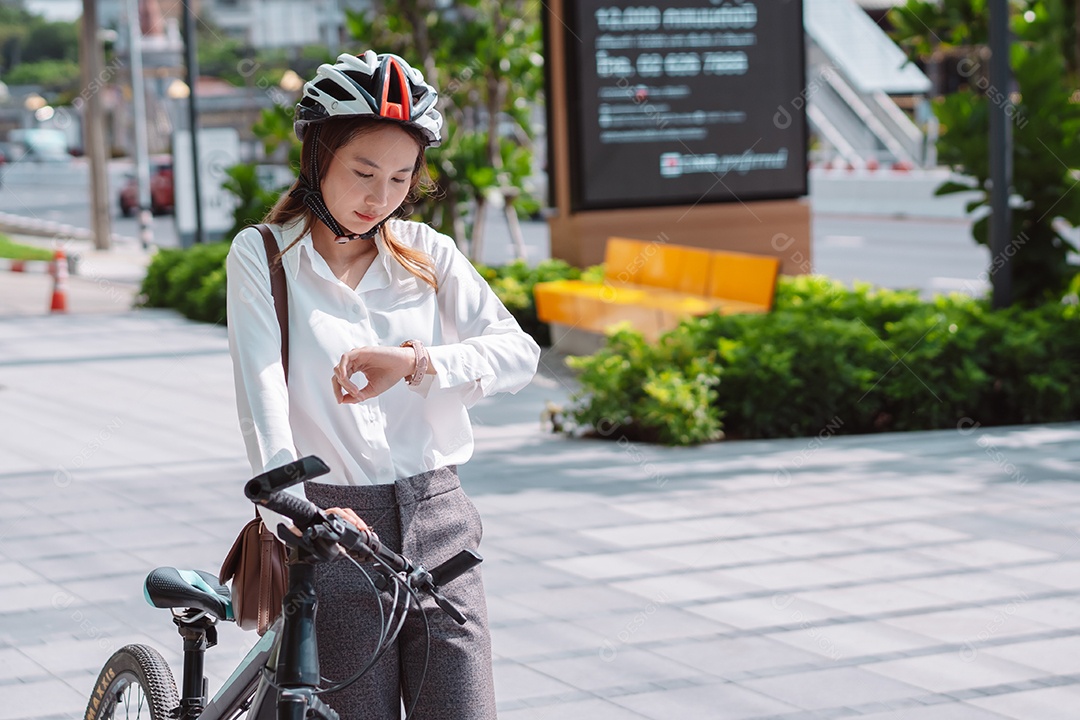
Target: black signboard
(684, 102)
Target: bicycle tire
(138, 681)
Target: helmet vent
(394, 90)
(333, 90)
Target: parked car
(161, 189)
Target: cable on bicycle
(382, 616)
(267, 672)
(427, 654)
(384, 640)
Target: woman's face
(369, 177)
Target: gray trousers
(427, 518)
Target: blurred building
(284, 23)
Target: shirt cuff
(456, 366)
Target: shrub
(155, 285)
(191, 281)
(860, 360)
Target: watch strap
(421, 362)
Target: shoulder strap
(280, 291)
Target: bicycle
(279, 679)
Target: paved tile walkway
(919, 576)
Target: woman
(392, 336)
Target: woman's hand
(347, 514)
(383, 367)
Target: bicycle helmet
(382, 86)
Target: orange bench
(655, 285)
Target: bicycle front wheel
(136, 682)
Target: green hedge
(834, 359)
(191, 281)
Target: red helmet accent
(391, 110)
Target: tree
(254, 200)
(1046, 127)
(487, 66)
(29, 38)
(51, 41)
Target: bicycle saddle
(167, 587)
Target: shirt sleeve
(262, 397)
(493, 354)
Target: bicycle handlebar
(266, 489)
(305, 514)
(302, 512)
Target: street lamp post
(1001, 152)
(138, 93)
(192, 73)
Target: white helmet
(383, 86)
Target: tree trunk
(477, 246)
(90, 57)
(1075, 25)
(416, 13)
(516, 237)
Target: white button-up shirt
(476, 348)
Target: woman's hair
(334, 134)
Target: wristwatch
(421, 361)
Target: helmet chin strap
(311, 195)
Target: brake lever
(351, 540)
(446, 606)
(317, 540)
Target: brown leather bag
(256, 562)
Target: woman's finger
(349, 515)
(344, 372)
(342, 395)
(356, 519)
(341, 370)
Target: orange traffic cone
(18, 266)
(60, 274)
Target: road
(932, 254)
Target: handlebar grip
(302, 512)
(261, 486)
(455, 567)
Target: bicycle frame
(288, 650)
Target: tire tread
(151, 669)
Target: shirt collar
(379, 270)
(289, 233)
